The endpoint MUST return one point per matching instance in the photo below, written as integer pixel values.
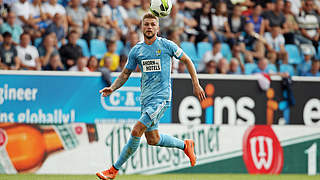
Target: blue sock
(127, 151)
(170, 141)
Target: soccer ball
(160, 8)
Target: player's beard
(149, 37)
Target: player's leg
(128, 150)
(154, 138)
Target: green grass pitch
(163, 177)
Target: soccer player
(154, 59)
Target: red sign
(262, 152)
(3, 137)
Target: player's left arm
(197, 89)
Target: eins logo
(240, 111)
(124, 99)
(262, 152)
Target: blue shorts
(152, 113)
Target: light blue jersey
(155, 63)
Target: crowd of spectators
(238, 36)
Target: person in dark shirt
(54, 64)
(8, 54)
(276, 17)
(71, 52)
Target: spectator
(56, 27)
(263, 67)
(98, 27)
(77, 17)
(133, 18)
(93, 64)
(257, 20)
(234, 67)
(292, 24)
(22, 9)
(314, 71)
(223, 66)
(305, 66)
(215, 55)
(11, 27)
(252, 42)
(105, 70)
(276, 17)
(115, 59)
(71, 51)
(133, 39)
(295, 6)
(249, 65)
(81, 65)
(189, 22)
(204, 23)
(37, 18)
(28, 54)
(275, 45)
(173, 22)
(308, 21)
(235, 25)
(51, 8)
(144, 8)
(238, 52)
(219, 22)
(47, 49)
(117, 16)
(210, 68)
(8, 54)
(4, 9)
(54, 64)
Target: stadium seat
(294, 54)
(120, 46)
(190, 49)
(226, 51)
(271, 68)
(249, 67)
(84, 45)
(97, 48)
(202, 48)
(287, 68)
(37, 42)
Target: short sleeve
(132, 63)
(106, 11)
(174, 49)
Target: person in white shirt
(22, 9)
(28, 54)
(215, 55)
(275, 45)
(81, 65)
(117, 17)
(51, 8)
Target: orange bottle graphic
(27, 146)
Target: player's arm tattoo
(123, 77)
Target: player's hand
(106, 91)
(199, 92)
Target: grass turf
(163, 177)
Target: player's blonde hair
(150, 16)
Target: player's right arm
(122, 78)
(125, 74)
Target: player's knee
(152, 141)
